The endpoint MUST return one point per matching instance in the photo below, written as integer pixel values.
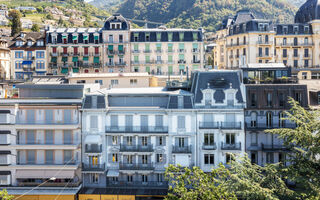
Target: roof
(34, 36)
(106, 75)
(309, 11)
(163, 30)
(50, 86)
(94, 102)
(243, 16)
(73, 30)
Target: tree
(305, 156)
(35, 28)
(194, 184)
(16, 27)
(5, 196)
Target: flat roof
(106, 75)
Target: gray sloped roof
(94, 102)
(218, 80)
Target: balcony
(181, 62)
(136, 166)
(6, 118)
(264, 42)
(262, 126)
(184, 149)
(92, 167)
(64, 54)
(212, 146)
(136, 148)
(93, 148)
(195, 50)
(138, 184)
(54, 54)
(39, 122)
(135, 51)
(136, 62)
(71, 163)
(170, 51)
(47, 142)
(195, 61)
(158, 51)
(233, 146)
(159, 62)
(49, 184)
(120, 64)
(209, 125)
(110, 64)
(147, 51)
(230, 125)
(137, 129)
(96, 54)
(28, 69)
(273, 147)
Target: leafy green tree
(304, 168)
(39, 9)
(15, 17)
(194, 184)
(35, 28)
(5, 196)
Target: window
(253, 121)
(306, 52)
(129, 140)
(229, 158)
(298, 97)
(180, 102)
(144, 159)
(270, 157)
(49, 157)
(281, 100)
(295, 52)
(133, 81)
(114, 157)
(130, 178)
(306, 63)
(114, 82)
(281, 119)
(295, 41)
(31, 156)
(94, 122)
(208, 139)
(230, 138)
(253, 99)
(144, 141)
(159, 158)
(181, 122)
(181, 142)
(114, 140)
(159, 121)
(29, 43)
(284, 53)
(269, 119)
(40, 54)
(160, 177)
(19, 54)
(160, 141)
(209, 159)
(295, 63)
(269, 99)
(260, 52)
(304, 75)
(306, 29)
(67, 156)
(144, 178)
(94, 178)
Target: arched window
(86, 71)
(253, 122)
(269, 119)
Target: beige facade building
(245, 39)
(4, 60)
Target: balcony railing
(212, 146)
(209, 125)
(181, 62)
(256, 126)
(147, 51)
(136, 148)
(137, 129)
(120, 63)
(93, 148)
(92, 167)
(195, 61)
(274, 147)
(49, 184)
(233, 146)
(48, 142)
(136, 166)
(135, 51)
(72, 162)
(184, 149)
(39, 122)
(230, 125)
(134, 184)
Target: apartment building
(166, 51)
(116, 44)
(244, 39)
(130, 136)
(4, 60)
(75, 50)
(267, 102)
(41, 142)
(28, 55)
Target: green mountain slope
(204, 13)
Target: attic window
(295, 29)
(285, 30)
(19, 43)
(40, 43)
(306, 29)
(29, 43)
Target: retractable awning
(93, 139)
(113, 173)
(27, 62)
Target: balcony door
(129, 122)
(230, 139)
(144, 122)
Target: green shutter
(136, 58)
(170, 69)
(120, 47)
(170, 36)
(75, 70)
(75, 59)
(54, 59)
(148, 69)
(64, 59)
(195, 45)
(135, 47)
(110, 47)
(181, 67)
(96, 60)
(64, 70)
(158, 36)
(170, 58)
(85, 58)
(147, 46)
(181, 56)
(195, 36)
(181, 46)
(74, 37)
(147, 58)
(181, 36)
(96, 37)
(194, 67)
(85, 37)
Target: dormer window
(285, 30)
(306, 29)
(295, 29)
(115, 26)
(275, 29)
(40, 43)
(22, 35)
(29, 43)
(86, 39)
(96, 39)
(75, 39)
(260, 27)
(19, 43)
(54, 39)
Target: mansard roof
(309, 11)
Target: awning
(64, 36)
(96, 37)
(43, 173)
(54, 59)
(75, 37)
(64, 70)
(74, 59)
(96, 60)
(113, 173)
(75, 70)
(181, 67)
(110, 47)
(120, 47)
(64, 59)
(93, 139)
(27, 62)
(85, 58)
(111, 56)
(85, 37)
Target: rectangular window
(67, 137)
(269, 99)
(284, 53)
(49, 157)
(49, 137)
(181, 122)
(230, 138)
(67, 156)
(208, 139)
(94, 122)
(31, 156)
(209, 159)
(133, 81)
(159, 158)
(95, 178)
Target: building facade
(41, 140)
(4, 60)
(244, 40)
(28, 55)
